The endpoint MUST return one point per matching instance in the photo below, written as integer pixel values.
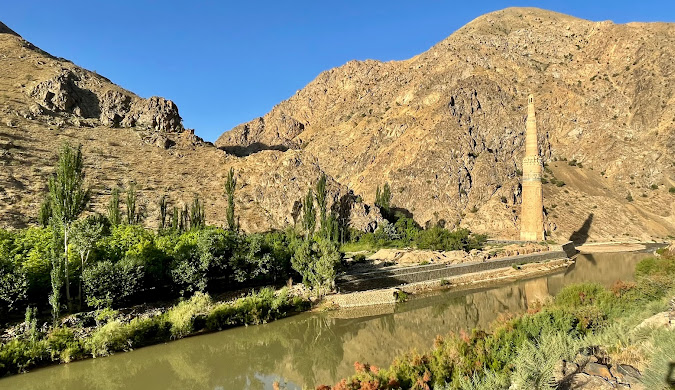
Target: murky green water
(309, 349)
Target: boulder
(154, 113)
(115, 105)
(62, 94)
(598, 370)
(583, 381)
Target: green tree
(86, 233)
(321, 200)
(56, 272)
(316, 261)
(45, 212)
(114, 214)
(163, 208)
(197, 215)
(131, 204)
(308, 213)
(175, 219)
(68, 196)
(230, 186)
(383, 198)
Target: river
(316, 348)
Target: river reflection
(309, 349)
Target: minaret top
(531, 148)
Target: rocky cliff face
(45, 101)
(446, 128)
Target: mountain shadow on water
(580, 236)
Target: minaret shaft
(532, 211)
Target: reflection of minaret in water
(532, 210)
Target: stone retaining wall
(386, 278)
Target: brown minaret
(532, 211)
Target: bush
(107, 284)
(438, 238)
(182, 316)
(255, 309)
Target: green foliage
(671, 190)
(321, 200)
(438, 238)
(66, 188)
(383, 198)
(308, 214)
(660, 360)
(316, 260)
(111, 283)
(114, 213)
(230, 186)
(197, 214)
(45, 214)
(163, 208)
(262, 307)
(68, 198)
(182, 316)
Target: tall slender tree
(45, 214)
(163, 208)
(321, 200)
(197, 216)
(308, 213)
(230, 186)
(68, 196)
(131, 203)
(114, 214)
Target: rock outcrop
(446, 128)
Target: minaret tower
(532, 211)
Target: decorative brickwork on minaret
(532, 210)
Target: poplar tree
(131, 203)
(114, 214)
(308, 213)
(321, 200)
(68, 196)
(163, 208)
(230, 186)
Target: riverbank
(587, 337)
(32, 346)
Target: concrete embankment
(383, 286)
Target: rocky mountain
(45, 101)
(446, 127)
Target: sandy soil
(610, 247)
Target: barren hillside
(45, 101)
(446, 128)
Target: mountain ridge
(368, 121)
(445, 128)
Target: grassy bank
(33, 347)
(525, 350)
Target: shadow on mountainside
(243, 151)
(580, 236)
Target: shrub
(671, 190)
(105, 283)
(182, 316)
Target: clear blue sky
(226, 62)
